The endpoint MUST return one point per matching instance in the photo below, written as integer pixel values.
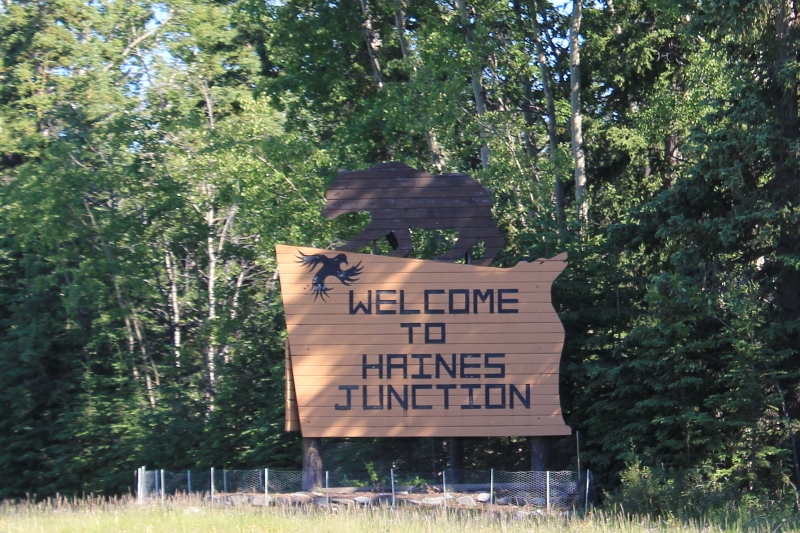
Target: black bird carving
(330, 267)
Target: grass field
(196, 515)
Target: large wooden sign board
(393, 347)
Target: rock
(363, 500)
(238, 499)
(467, 500)
(483, 497)
(505, 500)
(301, 499)
(261, 501)
(409, 501)
(347, 502)
(439, 500)
(321, 501)
(282, 499)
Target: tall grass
(193, 515)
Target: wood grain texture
(437, 363)
(413, 198)
(292, 419)
(543, 430)
(327, 369)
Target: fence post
(586, 498)
(548, 491)
(394, 497)
(266, 487)
(189, 481)
(225, 480)
(212, 485)
(491, 491)
(163, 489)
(327, 492)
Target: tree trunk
(539, 454)
(561, 217)
(477, 86)
(172, 276)
(312, 463)
(132, 323)
(578, 155)
(373, 41)
(455, 445)
(435, 150)
(212, 347)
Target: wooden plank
(418, 323)
(437, 222)
(356, 192)
(332, 300)
(548, 413)
(292, 418)
(534, 350)
(375, 204)
(470, 319)
(480, 418)
(337, 369)
(414, 296)
(423, 181)
(498, 340)
(312, 373)
(424, 213)
(396, 265)
(454, 431)
(415, 284)
(525, 282)
(452, 328)
(304, 365)
(295, 305)
(330, 394)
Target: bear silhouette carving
(399, 197)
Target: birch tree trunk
(373, 41)
(578, 155)
(435, 150)
(477, 85)
(175, 304)
(133, 326)
(561, 218)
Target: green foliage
(152, 155)
(696, 493)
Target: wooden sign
(398, 197)
(393, 347)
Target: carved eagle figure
(330, 267)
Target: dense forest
(152, 153)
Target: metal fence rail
(545, 490)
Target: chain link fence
(544, 490)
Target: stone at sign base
(467, 501)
